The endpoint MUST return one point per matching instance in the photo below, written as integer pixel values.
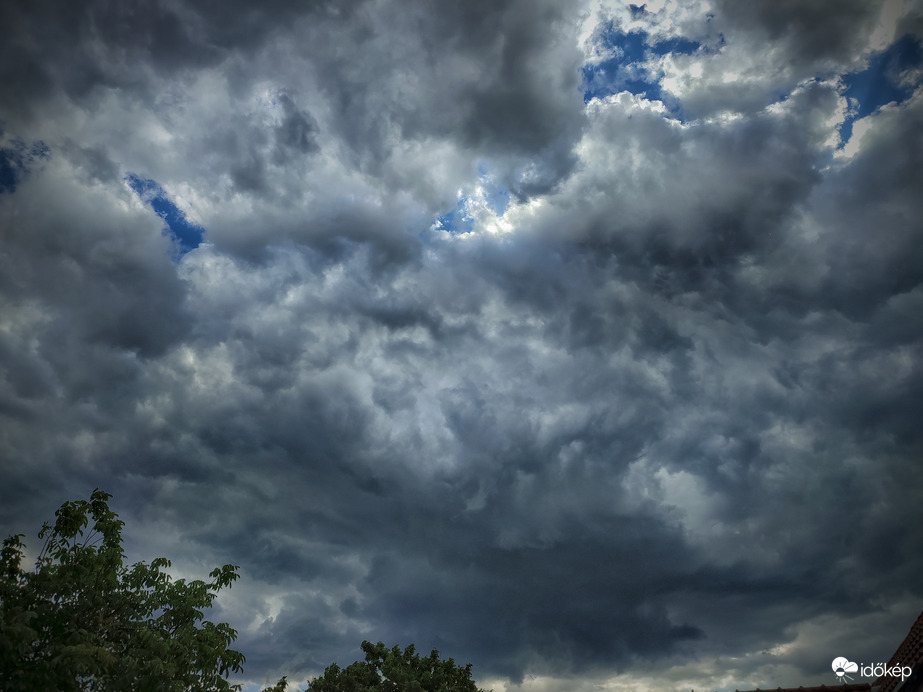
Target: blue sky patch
(626, 69)
(498, 199)
(887, 79)
(496, 194)
(678, 45)
(16, 159)
(490, 193)
(458, 220)
(186, 236)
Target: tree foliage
(83, 620)
(393, 670)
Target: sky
(581, 341)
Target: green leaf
(83, 620)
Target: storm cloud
(580, 341)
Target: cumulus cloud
(577, 341)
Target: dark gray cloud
(617, 392)
(807, 33)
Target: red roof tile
(909, 653)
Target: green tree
(393, 670)
(280, 686)
(83, 620)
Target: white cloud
(603, 440)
